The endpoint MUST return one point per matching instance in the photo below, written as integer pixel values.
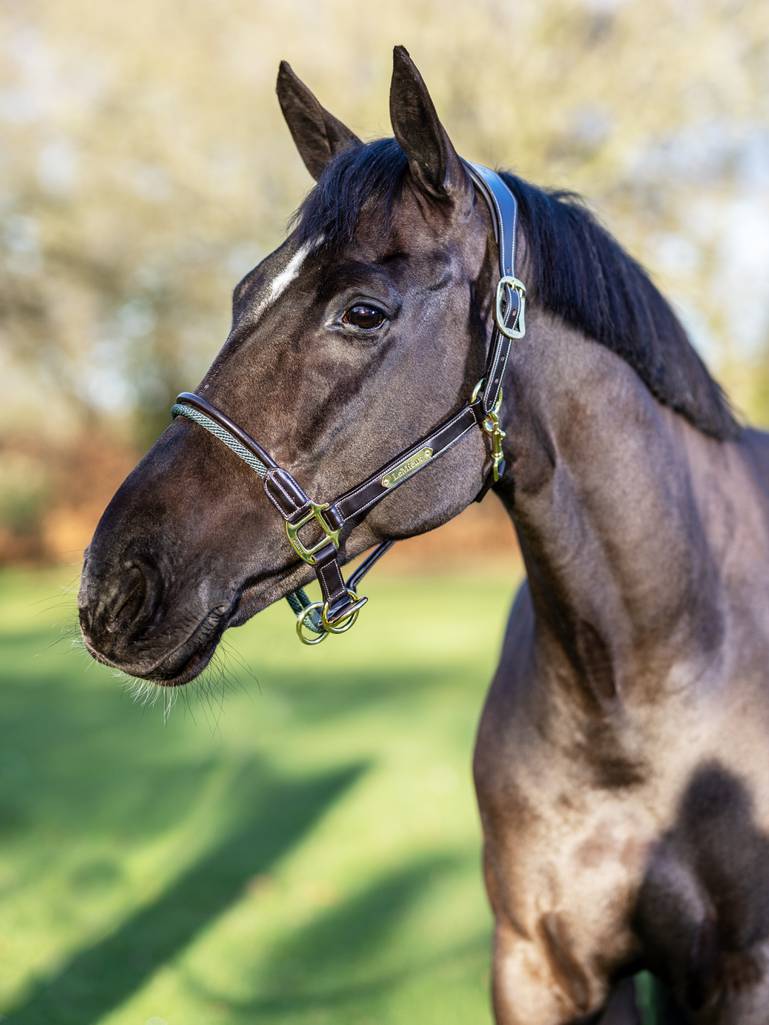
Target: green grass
(302, 850)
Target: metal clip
(490, 425)
(518, 328)
(307, 554)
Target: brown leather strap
(332, 585)
(188, 398)
(504, 218)
(351, 506)
(504, 213)
(500, 350)
(286, 495)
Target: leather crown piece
(331, 521)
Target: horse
(621, 764)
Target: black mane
(577, 271)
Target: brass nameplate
(407, 467)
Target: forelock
(369, 176)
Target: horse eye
(364, 316)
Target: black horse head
(367, 327)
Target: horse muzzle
(124, 624)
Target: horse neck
(604, 499)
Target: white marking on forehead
(281, 281)
(283, 278)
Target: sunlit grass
(297, 843)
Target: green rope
(223, 435)
(298, 600)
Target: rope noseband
(340, 604)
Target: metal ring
(346, 622)
(314, 638)
(477, 391)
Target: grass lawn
(298, 847)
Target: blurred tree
(145, 167)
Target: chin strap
(328, 521)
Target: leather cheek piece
(285, 494)
(332, 585)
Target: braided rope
(222, 434)
(298, 600)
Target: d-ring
(346, 622)
(312, 638)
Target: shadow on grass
(104, 975)
(78, 764)
(335, 961)
(82, 764)
(339, 696)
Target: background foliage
(145, 168)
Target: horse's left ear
(318, 135)
(433, 161)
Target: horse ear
(317, 134)
(433, 161)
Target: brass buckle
(342, 626)
(518, 327)
(315, 512)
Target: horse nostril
(127, 605)
(131, 599)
